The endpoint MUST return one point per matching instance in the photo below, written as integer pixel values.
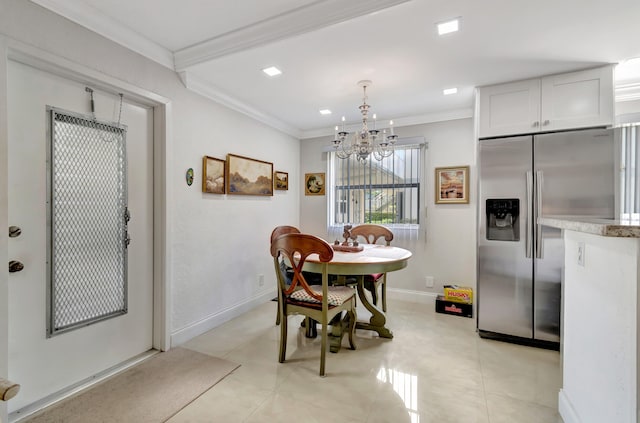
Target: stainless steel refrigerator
(519, 261)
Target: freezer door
(575, 175)
(504, 270)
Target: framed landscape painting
(281, 180)
(246, 176)
(452, 185)
(213, 175)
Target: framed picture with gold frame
(213, 175)
(314, 183)
(246, 176)
(281, 180)
(452, 185)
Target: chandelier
(364, 142)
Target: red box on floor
(451, 307)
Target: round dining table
(372, 259)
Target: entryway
(42, 365)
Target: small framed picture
(281, 180)
(452, 185)
(314, 183)
(213, 175)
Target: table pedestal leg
(378, 320)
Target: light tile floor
(436, 369)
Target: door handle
(529, 234)
(15, 266)
(539, 183)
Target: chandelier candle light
(366, 141)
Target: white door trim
(162, 143)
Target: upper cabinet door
(512, 108)
(578, 99)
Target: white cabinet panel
(512, 108)
(579, 99)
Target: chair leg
(353, 317)
(283, 338)
(311, 330)
(278, 313)
(374, 292)
(384, 293)
(323, 351)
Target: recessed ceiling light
(448, 26)
(449, 91)
(325, 112)
(272, 71)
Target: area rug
(150, 392)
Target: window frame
(416, 183)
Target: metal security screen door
(87, 199)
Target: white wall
(220, 243)
(448, 251)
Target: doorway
(44, 366)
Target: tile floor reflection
(436, 369)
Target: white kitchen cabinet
(579, 99)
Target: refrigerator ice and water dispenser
(502, 219)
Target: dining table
(373, 258)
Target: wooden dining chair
(320, 303)
(278, 231)
(371, 234)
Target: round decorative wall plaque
(189, 176)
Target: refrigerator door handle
(539, 183)
(529, 234)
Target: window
(630, 172)
(385, 192)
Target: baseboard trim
(566, 410)
(181, 336)
(412, 296)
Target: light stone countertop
(590, 225)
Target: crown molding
(92, 19)
(316, 15)
(205, 89)
(398, 122)
(628, 92)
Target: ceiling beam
(304, 19)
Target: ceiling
(324, 47)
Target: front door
(42, 365)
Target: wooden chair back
(372, 233)
(282, 230)
(295, 248)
